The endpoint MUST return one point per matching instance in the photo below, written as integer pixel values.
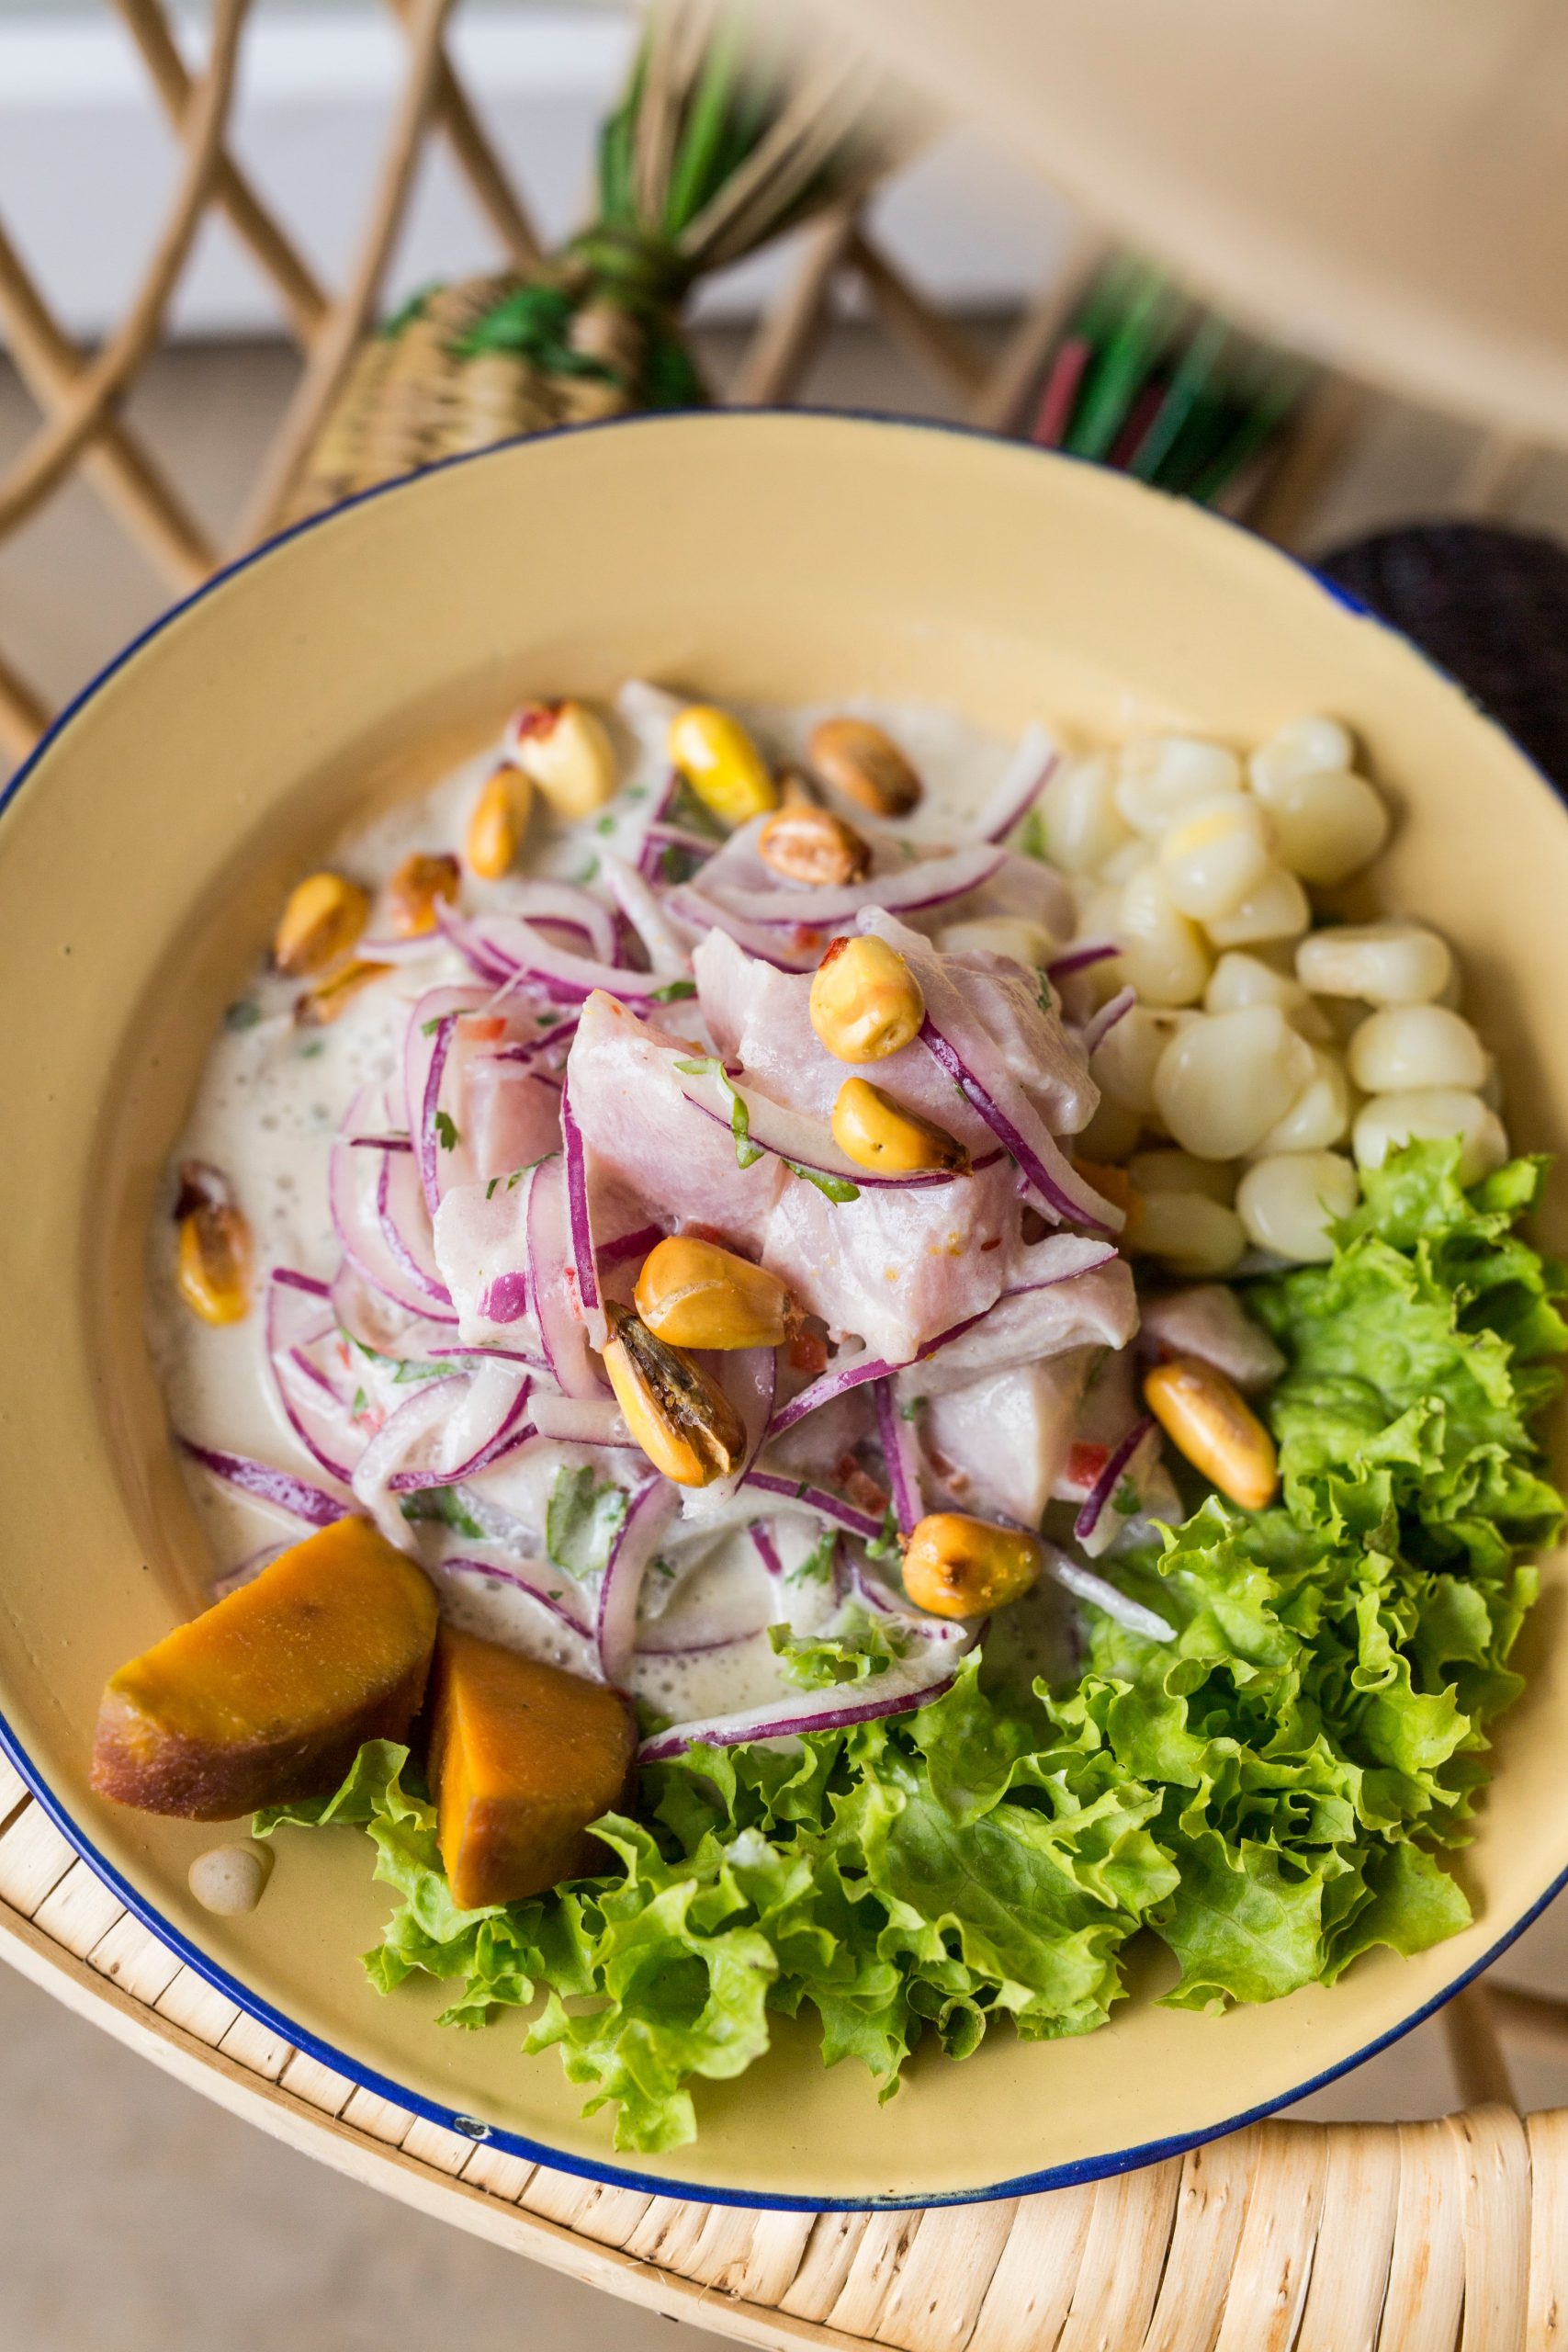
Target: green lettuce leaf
(1270, 1792)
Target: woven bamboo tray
(1450, 2236)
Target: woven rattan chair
(1418, 2237)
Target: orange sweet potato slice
(267, 1697)
(523, 1756)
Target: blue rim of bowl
(364, 2078)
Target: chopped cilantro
(448, 1134)
(517, 1175)
(605, 824)
(316, 1045)
(1126, 1499)
(547, 1020)
(836, 1189)
(441, 1503)
(673, 990)
(1032, 836)
(910, 1409)
(747, 1153)
(428, 1028)
(242, 1014)
(588, 873)
(886, 1545)
(582, 1521)
(360, 1402)
(817, 1567)
(663, 1567)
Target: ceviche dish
(835, 1367)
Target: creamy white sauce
(271, 1097)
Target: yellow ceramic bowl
(142, 858)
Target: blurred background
(252, 259)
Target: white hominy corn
(1170, 1171)
(1111, 1134)
(1276, 908)
(1320, 1115)
(1329, 825)
(1029, 944)
(1214, 855)
(1188, 1232)
(1430, 1115)
(1408, 1046)
(1239, 978)
(1164, 954)
(1301, 747)
(1083, 825)
(1381, 963)
(1229, 1078)
(1125, 1063)
(1161, 776)
(1285, 1203)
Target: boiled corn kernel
(1328, 826)
(1320, 1115)
(1228, 1078)
(1305, 746)
(1161, 777)
(1406, 1046)
(1276, 908)
(1381, 963)
(1164, 955)
(1286, 1203)
(1214, 855)
(1188, 1232)
(1083, 828)
(1432, 1115)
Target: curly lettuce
(1270, 1793)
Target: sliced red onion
(631, 1245)
(404, 1221)
(1022, 781)
(579, 1226)
(266, 1485)
(769, 943)
(1096, 1031)
(647, 1648)
(352, 1190)
(816, 1502)
(506, 948)
(290, 1278)
(560, 1032)
(1051, 1175)
(649, 1513)
(899, 1453)
(427, 1042)
(680, 837)
(767, 1551)
(1105, 1485)
(550, 1589)
(796, 1718)
(380, 1143)
(1084, 1585)
(580, 1420)
(1089, 1256)
(642, 910)
(551, 1284)
(400, 1436)
(460, 1354)
(921, 883)
(1080, 958)
(840, 1378)
(499, 1397)
(297, 1317)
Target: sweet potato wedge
(267, 1696)
(523, 1756)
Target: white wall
(87, 163)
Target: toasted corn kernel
(721, 763)
(795, 787)
(214, 1263)
(1205, 1415)
(876, 1132)
(814, 847)
(564, 748)
(322, 918)
(692, 1293)
(681, 1419)
(422, 883)
(866, 764)
(866, 1002)
(958, 1566)
(329, 997)
(496, 823)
